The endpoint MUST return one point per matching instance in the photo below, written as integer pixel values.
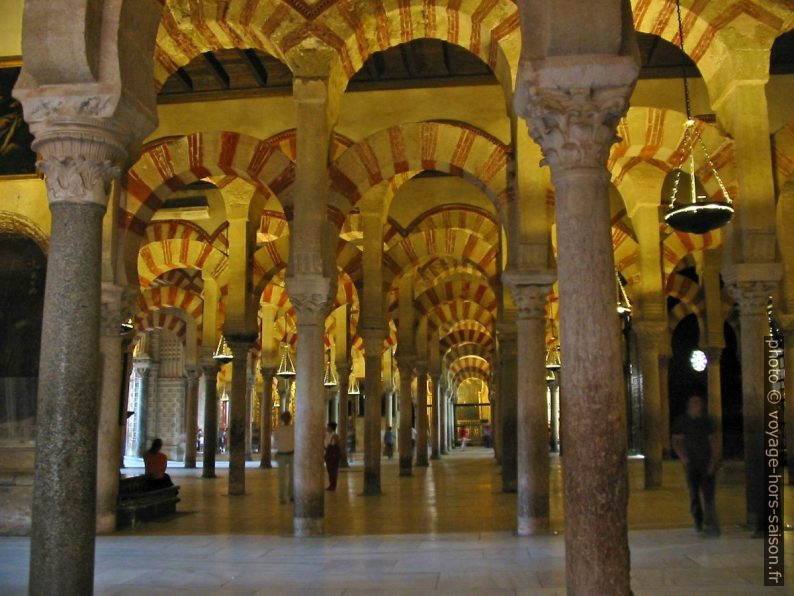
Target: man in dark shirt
(697, 444)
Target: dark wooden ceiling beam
(255, 66)
(217, 70)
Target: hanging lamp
(553, 359)
(689, 208)
(354, 388)
(223, 354)
(286, 369)
(624, 305)
(329, 378)
(126, 326)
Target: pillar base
(206, 474)
(444, 452)
(308, 526)
(344, 463)
(406, 473)
(267, 465)
(106, 524)
(422, 463)
(190, 465)
(435, 455)
(532, 526)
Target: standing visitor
(696, 442)
(333, 455)
(388, 443)
(284, 442)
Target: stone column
(266, 418)
(496, 409)
(250, 391)
(421, 415)
(77, 162)
(442, 418)
(574, 121)
(405, 364)
(664, 395)
(554, 395)
(193, 374)
(389, 394)
(714, 380)
(343, 374)
(141, 368)
(373, 348)
(310, 299)
(452, 421)
(110, 419)
(650, 334)
(532, 446)
(753, 297)
(210, 369)
(239, 345)
(508, 396)
(435, 424)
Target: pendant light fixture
(286, 369)
(689, 208)
(624, 305)
(223, 354)
(329, 378)
(354, 388)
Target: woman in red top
(156, 463)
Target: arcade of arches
(429, 201)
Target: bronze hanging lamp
(689, 208)
(286, 369)
(223, 354)
(329, 378)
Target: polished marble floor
(448, 529)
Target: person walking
(284, 441)
(333, 455)
(697, 444)
(388, 442)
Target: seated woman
(156, 464)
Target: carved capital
(530, 301)
(78, 180)
(575, 126)
(268, 372)
(652, 334)
(192, 373)
(116, 307)
(753, 296)
(240, 344)
(311, 297)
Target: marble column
(310, 299)
(250, 391)
(496, 409)
(650, 334)
(140, 367)
(442, 418)
(714, 381)
(421, 415)
(753, 298)
(664, 396)
(210, 369)
(405, 364)
(451, 422)
(110, 419)
(435, 426)
(554, 402)
(77, 163)
(193, 374)
(532, 444)
(508, 387)
(389, 394)
(373, 349)
(343, 374)
(573, 119)
(266, 418)
(239, 345)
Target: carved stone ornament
(78, 180)
(530, 300)
(575, 127)
(311, 308)
(753, 296)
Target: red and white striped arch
(155, 258)
(450, 147)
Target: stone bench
(138, 502)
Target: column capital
(343, 369)
(268, 372)
(116, 306)
(192, 372)
(406, 362)
(572, 105)
(240, 343)
(209, 367)
(752, 296)
(421, 367)
(373, 338)
(529, 293)
(310, 295)
(652, 333)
